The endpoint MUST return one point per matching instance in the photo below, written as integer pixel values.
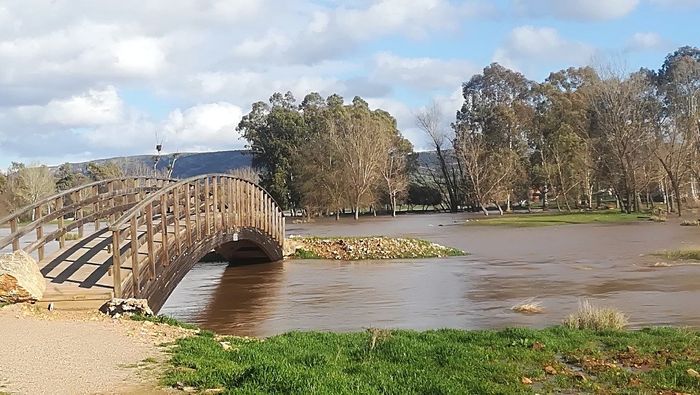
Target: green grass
(550, 219)
(163, 319)
(689, 254)
(369, 248)
(442, 361)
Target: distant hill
(188, 164)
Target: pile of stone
(20, 279)
(126, 307)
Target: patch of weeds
(596, 318)
(71, 236)
(692, 254)
(686, 222)
(302, 253)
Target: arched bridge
(138, 237)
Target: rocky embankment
(365, 248)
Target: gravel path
(78, 353)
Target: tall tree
(275, 133)
(498, 105)
(33, 184)
(676, 98)
(448, 177)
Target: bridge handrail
(177, 218)
(57, 209)
(121, 221)
(28, 209)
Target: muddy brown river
(608, 264)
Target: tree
(494, 122)
(359, 140)
(104, 171)
(275, 133)
(33, 184)
(423, 195)
(562, 157)
(622, 130)
(67, 178)
(448, 178)
(675, 99)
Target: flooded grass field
(556, 266)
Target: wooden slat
(116, 265)
(207, 218)
(135, 272)
(149, 240)
(176, 219)
(164, 230)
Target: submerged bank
(442, 361)
(367, 248)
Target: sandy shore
(44, 352)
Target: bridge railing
(97, 202)
(173, 221)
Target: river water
(608, 264)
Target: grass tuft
(596, 318)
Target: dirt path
(79, 353)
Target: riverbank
(62, 352)
(367, 248)
(510, 361)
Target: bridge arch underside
(248, 245)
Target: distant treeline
(582, 136)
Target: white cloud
(204, 127)
(422, 73)
(642, 41)
(94, 107)
(584, 10)
(528, 46)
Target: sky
(85, 79)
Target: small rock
(550, 370)
(225, 345)
(580, 376)
(526, 380)
(117, 307)
(693, 373)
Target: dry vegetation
(528, 306)
(596, 318)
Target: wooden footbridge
(138, 237)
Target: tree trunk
(483, 208)
(500, 210)
(677, 193)
(357, 213)
(393, 206)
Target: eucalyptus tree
(497, 116)
(563, 154)
(678, 126)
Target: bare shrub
(596, 318)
